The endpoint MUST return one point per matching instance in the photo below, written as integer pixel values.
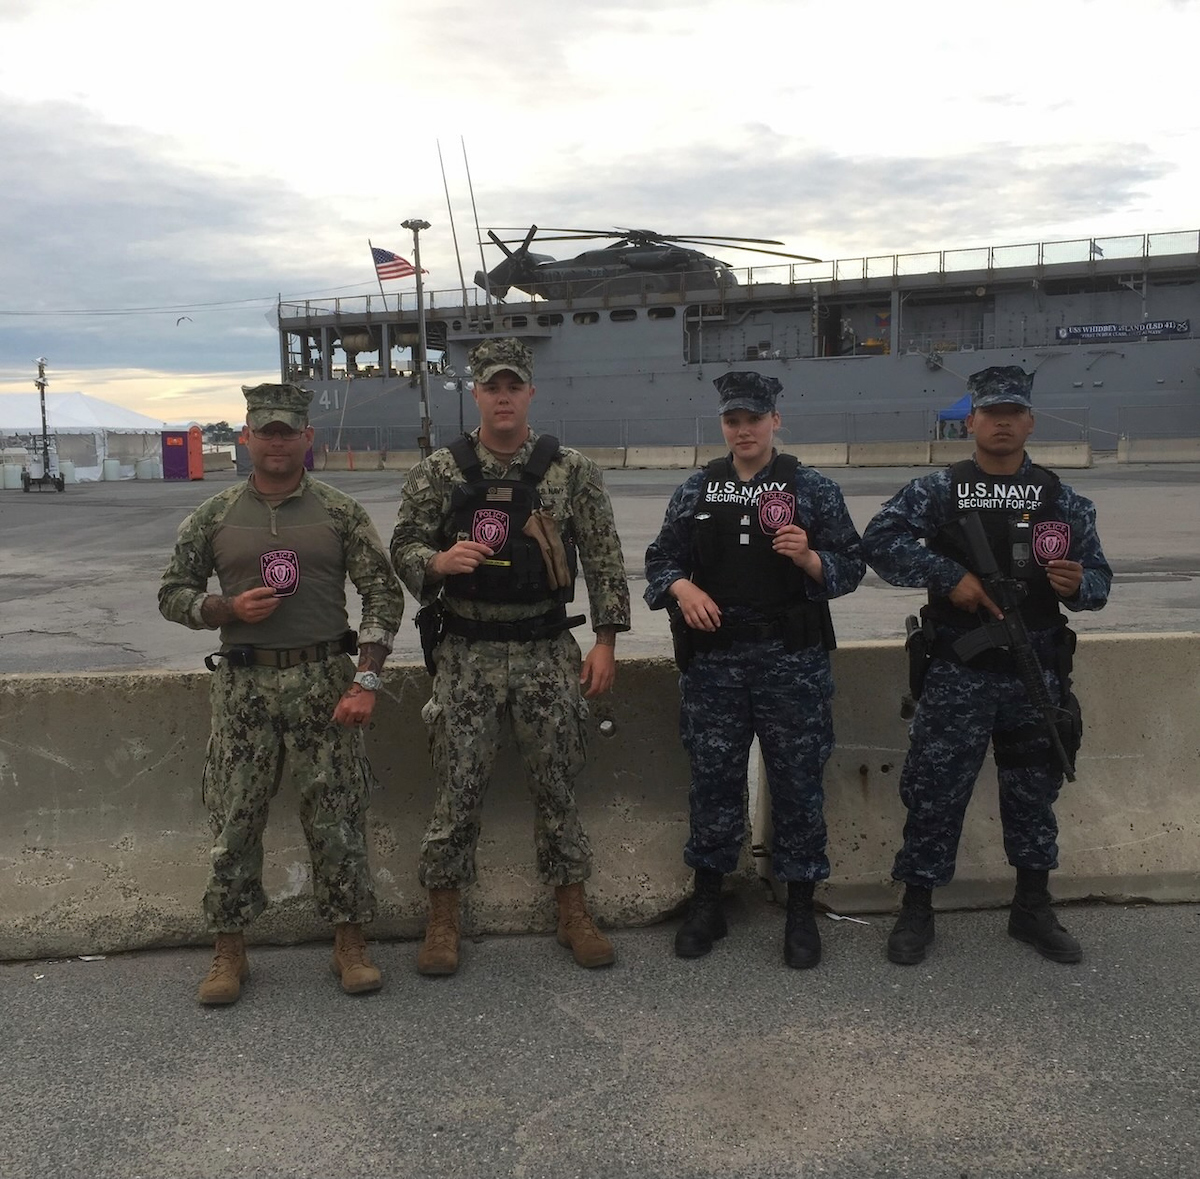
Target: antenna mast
(487, 286)
(453, 234)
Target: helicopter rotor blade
(697, 237)
(507, 252)
(555, 229)
(641, 237)
(754, 249)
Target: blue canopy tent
(956, 412)
(948, 419)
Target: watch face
(368, 680)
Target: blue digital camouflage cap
(490, 357)
(747, 390)
(1000, 385)
(277, 403)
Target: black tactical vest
(734, 523)
(494, 512)
(1023, 531)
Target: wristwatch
(369, 681)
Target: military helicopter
(640, 260)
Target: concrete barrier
(103, 839)
(218, 460)
(1067, 455)
(944, 451)
(660, 458)
(888, 454)
(814, 454)
(1129, 826)
(820, 454)
(1158, 450)
(1062, 455)
(400, 460)
(610, 458)
(706, 454)
(348, 460)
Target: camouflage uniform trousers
(259, 714)
(729, 697)
(476, 685)
(959, 710)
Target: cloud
(99, 217)
(823, 202)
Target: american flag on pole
(389, 265)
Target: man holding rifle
(1000, 543)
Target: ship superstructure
(868, 349)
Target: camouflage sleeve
(833, 536)
(669, 555)
(599, 547)
(424, 506)
(892, 541)
(184, 584)
(1080, 513)
(368, 567)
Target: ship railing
(741, 282)
(1128, 247)
(1159, 421)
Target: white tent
(85, 430)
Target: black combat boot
(1032, 920)
(704, 923)
(913, 930)
(801, 938)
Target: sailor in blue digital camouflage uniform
(752, 548)
(1044, 534)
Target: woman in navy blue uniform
(752, 549)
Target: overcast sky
(163, 160)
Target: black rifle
(1010, 633)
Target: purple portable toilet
(175, 454)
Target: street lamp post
(41, 384)
(424, 441)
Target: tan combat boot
(350, 962)
(577, 930)
(230, 969)
(439, 954)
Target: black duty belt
(282, 658)
(522, 630)
(729, 633)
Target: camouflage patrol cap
(1000, 385)
(276, 403)
(489, 357)
(747, 390)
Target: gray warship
(628, 337)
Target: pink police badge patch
(281, 571)
(1051, 541)
(776, 509)
(490, 527)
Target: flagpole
(423, 439)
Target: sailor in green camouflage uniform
(489, 531)
(282, 545)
